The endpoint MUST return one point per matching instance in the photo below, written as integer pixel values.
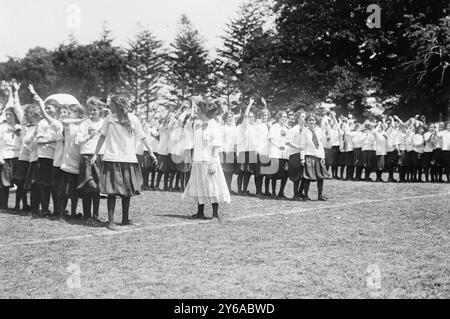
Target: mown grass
(262, 249)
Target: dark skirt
(314, 170)
(416, 159)
(408, 160)
(67, 185)
(282, 168)
(381, 162)
(7, 172)
(32, 175)
(438, 158)
(56, 176)
(182, 164)
(165, 164)
(120, 179)
(392, 159)
(370, 159)
(347, 159)
(89, 177)
(229, 162)
(427, 158)
(446, 160)
(295, 169)
(45, 172)
(358, 158)
(20, 171)
(334, 156)
(328, 156)
(247, 162)
(145, 161)
(264, 166)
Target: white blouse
(307, 146)
(278, 135)
(207, 136)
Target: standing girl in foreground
(312, 157)
(120, 173)
(88, 180)
(207, 184)
(10, 142)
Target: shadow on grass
(184, 217)
(6, 213)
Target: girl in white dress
(207, 184)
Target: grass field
(369, 240)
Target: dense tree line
(292, 53)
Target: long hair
(122, 106)
(11, 109)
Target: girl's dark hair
(31, 112)
(16, 119)
(280, 114)
(309, 116)
(53, 103)
(420, 127)
(78, 109)
(122, 106)
(210, 109)
(262, 112)
(94, 101)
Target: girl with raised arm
(10, 143)
(207, 184)
(312, 157)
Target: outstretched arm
(41, 104)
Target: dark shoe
(281, 197)
(322, 199)
(98, 219)
(267, 195)
(306, 199)
(127, 223)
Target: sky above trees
(28, 23)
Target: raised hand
(16, 85)
(31, 89)
(264, 102)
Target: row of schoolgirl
(54, 151)
(411, 148)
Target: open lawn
(369, 240)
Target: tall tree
(92, 69)
(244, 60)
(145, 66)
(190, 69)
(323, 42)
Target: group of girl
(51, 149)
(54, 150)
(269, 150)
